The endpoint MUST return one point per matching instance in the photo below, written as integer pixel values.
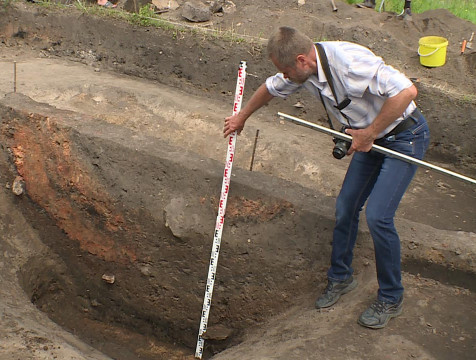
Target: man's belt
(405, 124)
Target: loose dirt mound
(122, 179)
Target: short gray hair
(286, 44)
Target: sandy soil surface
(137, 92)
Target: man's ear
(301, 59)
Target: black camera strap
(327, 72)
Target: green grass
(464, 9)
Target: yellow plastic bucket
(432, 51)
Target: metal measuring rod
(380, 149)
(212, 269)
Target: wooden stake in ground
(254, 150)
(14, 76)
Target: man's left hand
(362, 140)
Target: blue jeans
(383, 181)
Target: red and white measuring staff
(207, 300)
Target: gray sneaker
(333, 292)
(379, 313)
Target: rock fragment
(110, 279)
(165, 4)
(217, 332)
(196, 11)
(18, 186)
(181, 218)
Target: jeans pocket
(418, 129)
(423, 142)
(403, 146)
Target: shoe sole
(381, 326)
(362, 6)
(351, 287)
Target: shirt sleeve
(278, 86)
(358, 66)
(388, 82)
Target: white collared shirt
(358, 74)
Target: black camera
(341, 146)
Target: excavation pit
(130, 220)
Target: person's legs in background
(407, 11)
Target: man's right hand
(232, 123)
(237, 121)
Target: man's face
(298, 73)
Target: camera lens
(340, 149)
(338, 153)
